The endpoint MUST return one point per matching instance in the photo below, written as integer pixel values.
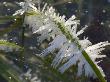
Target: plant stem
(86, 56)
(22, 37)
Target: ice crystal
(57, 43)
(94, 51)
(46, 23)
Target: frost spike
(72, 37)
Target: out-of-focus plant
(64, 46)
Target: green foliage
(17, 23)
(7, 70)
(13, 46)
(86, 56)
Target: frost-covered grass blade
(64, 34)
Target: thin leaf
(9, 46)
(7, 71)
(86, 56)
(16, 23)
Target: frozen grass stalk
(64, 33)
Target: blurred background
(93, 13)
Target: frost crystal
(65, 53)
(85, 43)
(45, 22)
(95, 50)
(57, 43)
